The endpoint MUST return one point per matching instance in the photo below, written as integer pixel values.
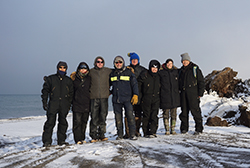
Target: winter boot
(126, 136)
(137, 126)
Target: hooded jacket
(169, 93)
(149, 83)
(81, 98)
(124, 84)
(59, 89)
(99, 86)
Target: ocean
(24, 105)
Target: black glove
(45, 106)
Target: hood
(119, 58)
(154, 63)
(61, 63)
(96, 60)
(82, 64)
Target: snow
(21, 145)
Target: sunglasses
(99, 61)
(118, 62)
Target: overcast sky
(35, 35)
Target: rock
(216, 121)
(222, 82)
(244, 118)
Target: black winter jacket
(59, 90)
(170, 96)
(137, 69)
(81, 99)
(149, 86)
(124, 85)
(191, 81)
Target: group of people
(139, 91)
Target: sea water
(23, 105)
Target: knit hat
(185, 56)
(133, 55)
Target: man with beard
(191, 85)
(99, 93)
(125, 94)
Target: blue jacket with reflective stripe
(124, 85)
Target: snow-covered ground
(21, 145)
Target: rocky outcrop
(226, 85)
(223, 82)
(216, 121)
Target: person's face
(170, 64)
(62, 68)
(83, 70)
(118, 64)
(134, 61)
(154, 70)
(185, 62)
(99, 63)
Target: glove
(134, 99)
(45, 106)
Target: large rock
(216, 121)
(222, 82)
(244, 118)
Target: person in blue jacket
(125, 95)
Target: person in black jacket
(170, 96)
(81, 101)
(149, 96)
(124, 95)
(136, 68)
(191, 85)
(59, 89)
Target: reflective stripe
(125, 78)
(113, 78)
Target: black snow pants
(190, 102)
(80, 121)
(99, 112)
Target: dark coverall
(59, 90)
(191, 82)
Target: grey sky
(35, 35)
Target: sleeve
(46, 90)
(71, 91)
(140, 82)
(200, 82)
(134, 84)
